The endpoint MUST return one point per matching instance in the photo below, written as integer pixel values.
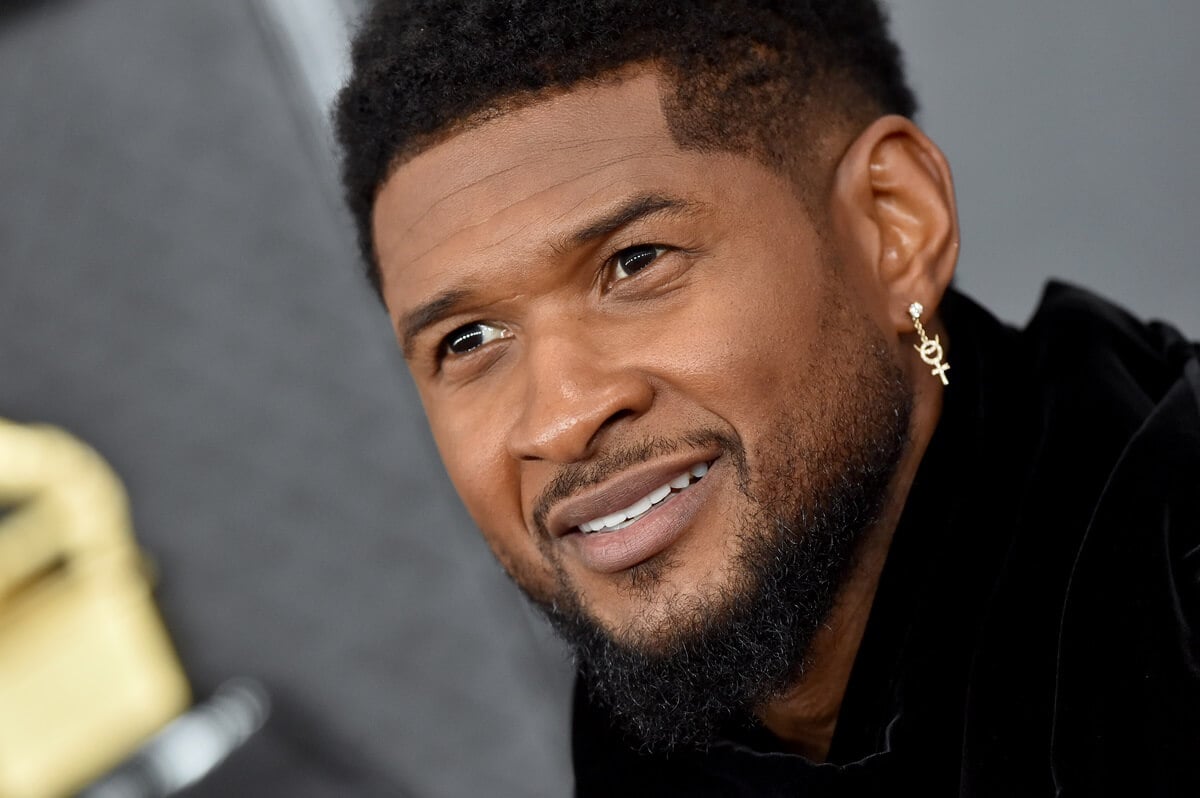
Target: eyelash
(656, 250)
(459, 334)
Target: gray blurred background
(179, 288)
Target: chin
(720, 623)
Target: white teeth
(638, 507)
(612, 520)
(623, 518)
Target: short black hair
(748, 75)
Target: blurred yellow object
(87, 671)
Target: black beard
(735, 649)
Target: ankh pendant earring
(930, 349)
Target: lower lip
(611, 552)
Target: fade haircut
(756, 76)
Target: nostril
(572, 404)
(610, 422)
(614, 418)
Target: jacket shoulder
(1128, 657)
(1078, 336)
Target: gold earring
(930, 349)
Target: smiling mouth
(640, 508)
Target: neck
(805, 717)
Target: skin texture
(754, 314)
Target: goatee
(734, 648)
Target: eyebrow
(628, 212)
(445, 304)
(427, 315)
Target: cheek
(476, 472)
(750, 343)
(488, 482)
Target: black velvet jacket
(1036, 630)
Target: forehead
(533, 170)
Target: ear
(893, 205)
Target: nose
(574, 392)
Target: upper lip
(620, 491)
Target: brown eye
(470, 337)
(629, 262)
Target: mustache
(574, 477)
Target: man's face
(636, 360)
